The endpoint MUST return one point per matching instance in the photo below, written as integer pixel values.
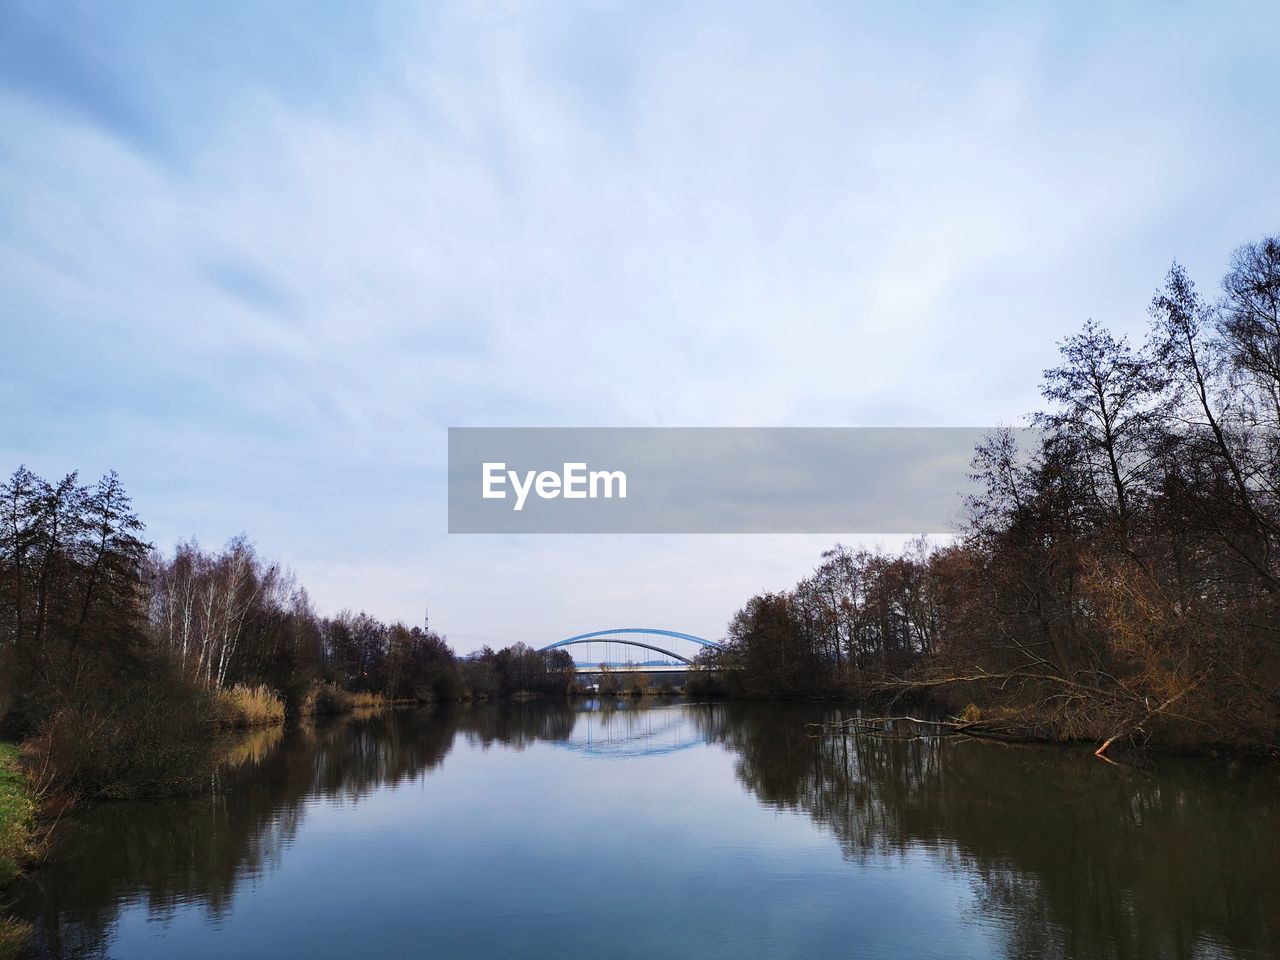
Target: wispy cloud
(258, 258)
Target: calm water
(671, 830)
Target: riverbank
(17, 841)
(950, 707)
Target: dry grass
(242, 706)
(328, 698)
(13, 937)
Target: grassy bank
(17, 815)
(17, 823)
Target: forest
(1119, 582)
(118, 662)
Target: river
(667, 829)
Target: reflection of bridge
(629, 637)
(631, 731)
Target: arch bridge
(627, 636)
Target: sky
(259, 257)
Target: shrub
(610, 684)
(323, 698)
(146, 736)
(330, 698)
(704, 681)
(637, 685)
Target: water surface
(667, 830)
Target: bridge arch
(612, 636)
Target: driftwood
(874, 726)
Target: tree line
(114, 657)
(1119, 580)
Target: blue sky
(258, 257)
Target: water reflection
(1083, 859)
(1063, 855)
(173, 852)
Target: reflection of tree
(180, 850)
(1091, 861)
(175, 851)
(518, 723)
(1068, 856)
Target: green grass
(17, 820)
(17, 815)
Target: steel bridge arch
(611, 636)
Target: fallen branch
(981, 729)
(1131, 728)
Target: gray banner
(708, 480)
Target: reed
(245, 706)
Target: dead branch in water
(945, 728)
(1117, 708)
(1101, 752)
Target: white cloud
(264, 299)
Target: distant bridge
(615, 636)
